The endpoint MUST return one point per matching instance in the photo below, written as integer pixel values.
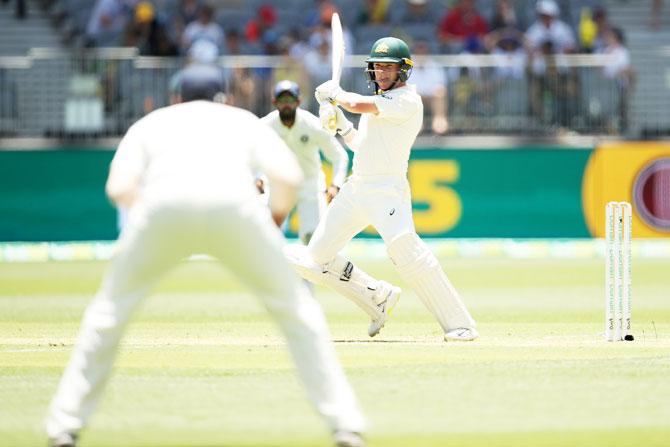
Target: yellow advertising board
(635, 172)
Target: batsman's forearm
(355, 103)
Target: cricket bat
(337, 55)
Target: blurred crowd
(527, 39)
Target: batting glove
(344, 126)
(333, 120)
(327, 92)
(328, 115)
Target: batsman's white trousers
(381, 201)
(385, 202)
(246, 241)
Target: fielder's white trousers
(381, 201)
(309, 212)
(246, 241)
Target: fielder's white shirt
(212, 162)
(305, 138)
(384, 141)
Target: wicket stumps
(618, 304)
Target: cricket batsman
(185, 174)
(378, 191)
(303, 134)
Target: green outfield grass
(202, 365)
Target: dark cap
(201, 82)
(287, 86)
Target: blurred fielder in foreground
(185, 172)
(378, 192)
(302, 133)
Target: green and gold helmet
(390, 50)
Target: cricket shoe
(386, 308)
(64, 440)
(348, 439)
(461, 334)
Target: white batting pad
(340, 275)
(419, 267)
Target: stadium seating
(33, 100)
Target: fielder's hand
(327, 92)
(260, 186)
(331, 192)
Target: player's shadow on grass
(214, 444)
(367, 340)
(218, 445)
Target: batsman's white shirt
(196, 162)
(306, 138)
(377, 192)
(384, 141)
